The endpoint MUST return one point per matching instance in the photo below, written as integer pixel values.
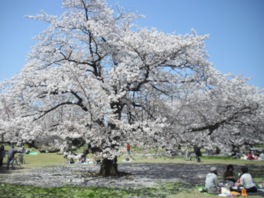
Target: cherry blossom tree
(226, 112)
(7, 114)
(94, 75)
(91, 64)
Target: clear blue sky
(236, 29)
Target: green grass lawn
(50, 159)
(77, 192)
(43, 159)
(171, 190)
(53, 159)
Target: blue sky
(236, 29)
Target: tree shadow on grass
(20, 191)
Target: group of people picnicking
(251, 155)
(241, 184)
(248, 153)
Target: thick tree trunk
(108, 168)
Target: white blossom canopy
(96, 76)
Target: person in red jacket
(249, 156)
(128, 147)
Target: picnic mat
(259, 192)
(33, 153)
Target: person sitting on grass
(71, 161)
(246, 180)
(249, 156)
(261, 156)
(244, 156)
(255, 156)
(211, 181)
(228, 176)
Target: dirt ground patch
(140, 175)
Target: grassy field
(76, 192)
(43, 159)
(167, 190)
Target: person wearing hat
(211, 181)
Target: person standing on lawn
(11, 155)
(197, 151)
(128, 147)
(2, 155)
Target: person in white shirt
(211, 181)
(246, 180)
(261, 156)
